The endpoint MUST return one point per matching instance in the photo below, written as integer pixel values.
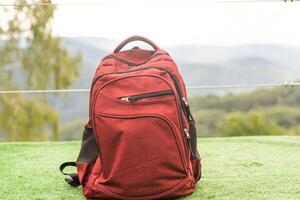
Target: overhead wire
(266, 85)
(139, 2)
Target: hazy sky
(177, 23)
(185, 21)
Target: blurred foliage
(268, 112)
(73, 130)
(26, 118)
(244, 102)
(252, 123)
(207, 121)
(35, 58)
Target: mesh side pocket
(195, 157)
(193, 134)
(89, 149)
(87, 155)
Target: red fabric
(143, 153)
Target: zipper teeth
(131, 63)
(148, 95)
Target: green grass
(233, 168)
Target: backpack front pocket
(139, 153)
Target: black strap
(72, 178)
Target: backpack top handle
(135, 38)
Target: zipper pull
(187, 134)
(188, 109)
(129, 99)
(185, 102)
(125, 99)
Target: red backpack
(140, 141)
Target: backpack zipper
(131, 63)
(133, 98)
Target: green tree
(31, 57)
(251, 123)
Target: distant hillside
(278, 106)
(236, 65)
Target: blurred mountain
(199, 65)
(237, 64)
(73, 106)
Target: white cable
(43, 91)
(124, 2)
(285, 84)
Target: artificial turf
(233, 168)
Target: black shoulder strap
(72, 178)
